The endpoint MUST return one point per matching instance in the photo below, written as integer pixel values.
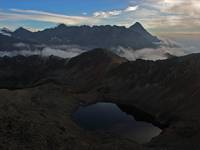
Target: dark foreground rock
(40, 118)
(36, 106)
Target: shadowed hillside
(51, 88)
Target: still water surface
(108, 117)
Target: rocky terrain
(38, 96)
(85, 37)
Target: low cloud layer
(170, 45)
(151, 54)
(47, 51)
(167, 49)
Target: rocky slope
(36, 112)
(21, 71)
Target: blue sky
(155, 15)
(70, 7)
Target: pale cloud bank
(131, 8)
(172, 15)
(107, 14)
(60, 51)
(151, 54)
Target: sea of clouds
(166, 48)
(62, 51)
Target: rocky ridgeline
(86, 37)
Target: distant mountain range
(10, 43)
(135, 37)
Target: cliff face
(51, 88)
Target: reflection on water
(109, 117)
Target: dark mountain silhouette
(22, 71)
(7, 43)
(22, 33)
(79, 68)
(10, 43)
(106, 36)
(137, 27)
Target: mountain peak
(22, 33)
(137, 26)
(21, 29)
(97, 56)
(62, 25)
